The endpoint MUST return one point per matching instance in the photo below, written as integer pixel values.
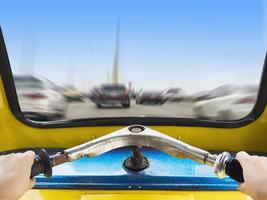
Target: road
(87, 109)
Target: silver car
(227, 102)
(39, 98)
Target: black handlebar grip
(41, 165)
(234, 170)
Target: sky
(193, 44)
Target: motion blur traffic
(42, 100)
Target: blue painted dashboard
(106, 172)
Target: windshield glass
(160, 58)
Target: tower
(115, 75)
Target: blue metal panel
(107, 172)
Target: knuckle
(29, 154)
(242, 155)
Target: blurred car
(133, 94)
(39, 98)
(200, 96)
(93, 94)
(174, 94)
(227, 103)
(71, 93)
(112, 94)
(150, 97)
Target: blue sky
(194, 44)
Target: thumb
(29, 157)
(242, 157)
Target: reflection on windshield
(94, 59)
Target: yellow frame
(16, 135)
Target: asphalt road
(87, 109)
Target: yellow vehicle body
(132, 195)
(16, 135)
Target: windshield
(161, 58)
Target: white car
(174, 94)
(227, 103)
(39, 98)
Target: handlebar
(137, 135)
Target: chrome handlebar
(141, 136)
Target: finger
(241, 187)
(32, 183)
(30, 156)
(242, 157)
